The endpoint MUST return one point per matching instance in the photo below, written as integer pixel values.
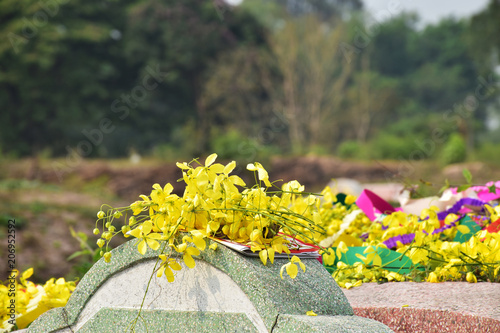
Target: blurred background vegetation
(88, 87)
(179, 78)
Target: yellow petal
(432, 278)
(251, 167)
(146, 227)
(217, 168)
(229, 167)
(270, 253)
(292, 270)
(237, 181)
(463, 229)
(188, 260)
(214, 226)
(168, 188)
(311, 313)
(199, 242)
(160, 271)
(169, 274)
(181, 248)
(193, 251)
(263, 256)
(27, 273)
(302, 266)
(174, 265)
(182, 166)
(137, 233)
(210, 160)
(142, 247)
(281, 270)
(155, 236)
(213, 246)
(153, 244)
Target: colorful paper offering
(387, 259)
(458, 243)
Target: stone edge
(127, 255)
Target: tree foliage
(103, 77)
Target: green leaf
(77, 254)
(445, 187)
(492, 188)
(462, 188)
(467, 176)
(83, 237)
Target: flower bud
(471, 278)
(100, 214)
(100, 242)
(131, 220)
(96, 231)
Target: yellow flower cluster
(332, 215)
(349, 276)
(442, 258)
(216, 204)
(25, 301)
(453, 261)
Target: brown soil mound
(315, 172)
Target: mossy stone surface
(276, 301)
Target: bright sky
(430, 11)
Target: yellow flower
(291, 268)
(148, 239)
(168, 264)
(329, 257)
(262, 173)
(311, 313)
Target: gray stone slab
(225, 291)
(328, 324)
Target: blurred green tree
(60, 63)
